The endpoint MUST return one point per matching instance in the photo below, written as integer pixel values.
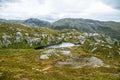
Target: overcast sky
(51, 10)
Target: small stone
(109, 46)
(44, 57)
(26, 34)
(102, 45)
(18, 34)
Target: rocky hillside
(35, 53)
(109, 28)
(19, 36)
(87, 25)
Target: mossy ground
(24, 64)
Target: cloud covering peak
(55, 9)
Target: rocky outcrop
(43, 38)
(5, 41)
(81, 62)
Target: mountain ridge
(110, 28)
(87, 25)
(29, 22)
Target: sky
(52, 10)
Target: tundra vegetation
(32, 53)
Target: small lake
(62, 45)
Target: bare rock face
(109, 40)
(82, 62)
(5, 40)
(31, 41)
(95, 62)
(18, 39)
(82, 39)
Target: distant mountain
(36, 22)
(12, 21)
(2, 20)
(91, 26)
(29, 22)
(83, 25)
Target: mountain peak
(36, 22)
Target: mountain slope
(29, 22)
(20, 36)
(36, 22)
(87, 25)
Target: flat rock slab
(81, 62)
